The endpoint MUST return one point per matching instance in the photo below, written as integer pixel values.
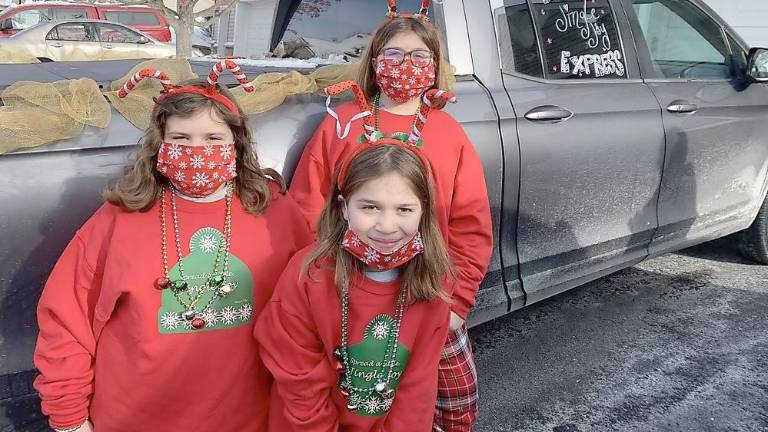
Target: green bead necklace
(217, 279)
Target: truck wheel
(754, 241)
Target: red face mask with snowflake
(197, 171)
(406, 80)
(377, 259)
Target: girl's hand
(456, 322)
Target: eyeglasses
(396, 57)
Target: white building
(246, 29)
(748, 17)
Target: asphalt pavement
(676, 343)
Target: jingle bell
(226, 290)
(382, 387)
(179, 285)
(189, 315)
(198, 323)
(216, 280)
(162, 283)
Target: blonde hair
(386, 31)
(425, 274)
(139, 188)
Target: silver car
(85, 40)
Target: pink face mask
(197, 171)
(404, 82)
(377, 259)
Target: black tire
(754, 241)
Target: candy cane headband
(208, 91)
(422, 15)
(372, 137)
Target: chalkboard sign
(579, 39)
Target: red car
(143, 18)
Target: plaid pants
(456, 408)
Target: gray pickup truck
(611, 131)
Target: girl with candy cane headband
(354, 332)
(402, 63)
(146, 322)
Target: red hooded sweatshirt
(299, 330)
(115, 349)
(462, 207)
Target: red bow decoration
(208, 91)
(422, 15)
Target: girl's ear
(343, 207)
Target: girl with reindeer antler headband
(354, 332)
(401, 65)
(146, 322)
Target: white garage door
(748, 17)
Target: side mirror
(7, 24)
(143, 40)
(757, 64)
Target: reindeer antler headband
(208, 91)
(371, 137)
(421, 15)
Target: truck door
(590, 136)
(717, 158)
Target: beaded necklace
(378, 134)
(382, 385)
(215, 282)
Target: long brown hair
(424, 275)
(139, 188)
(386, 31)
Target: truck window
(518, 47)
(132, 17)
(337, 29)
(561, 39)
(683, 41)
(29, 18)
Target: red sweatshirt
(462, 199)
(114, 348)
(301, 327)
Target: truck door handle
(57, 45)
(682, 107)
(548, 114)
(107, 46)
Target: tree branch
(214, 11)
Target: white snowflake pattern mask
(377, 259)
(405, 81)
(197, 171)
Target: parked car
(84, 40)
(142, 18)
(611, 131)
